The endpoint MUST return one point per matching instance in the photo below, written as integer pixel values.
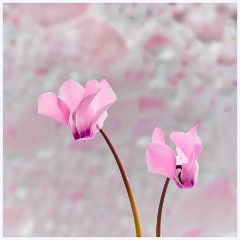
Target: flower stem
(127, 185)
(160, 208)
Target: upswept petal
(193, 132)
(99, 123)
(101, 120)
(71, 93)
(158, 135)
(161, 159)
(100, 112)
(73, 126)
(197, 149)
(92, 88)
(52, 106)
(184, 141)
(196, 172)
(105, 97)
(189, 174)
(181, 158)
(85, 120)
(84, 113)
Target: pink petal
(91, 90)
(101, 120)
(85, 116)
(197, 149)
(158, 135)
(100, 112)
(73, 125)
(181, 158)
(184, 141)
(98, 124)
(161, 159)
(189, 174)
(105, 97)
(197, 141)
(52, 106)
(193, 132)
(71, 93)
(85, 123)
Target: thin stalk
(160, 208)
(127, 185)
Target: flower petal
(52, 106)
(73, 126)
(101, 120)
(85, 121)
(91, 90)
(184, 141)
(189, 174)
(84, 113)
(161, 159)
(181, 158)
(99, 123)
(158, 135)
(197, 148)
(102, 99)
(105, 97)
(100, 112)
(193, 132)
(71, 93)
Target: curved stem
(159, 216)
(127, 185)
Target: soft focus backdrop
(171, 65)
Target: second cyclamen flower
(82, 110)
(183, 167)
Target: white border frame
(119, 1)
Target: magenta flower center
(86, 133)
(83, 134)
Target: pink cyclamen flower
(183, 167)
(82, 110)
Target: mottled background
(171, 65)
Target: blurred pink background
(171, 65)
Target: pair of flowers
(85, 110)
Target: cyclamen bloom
(183, 167)
(82, 110)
